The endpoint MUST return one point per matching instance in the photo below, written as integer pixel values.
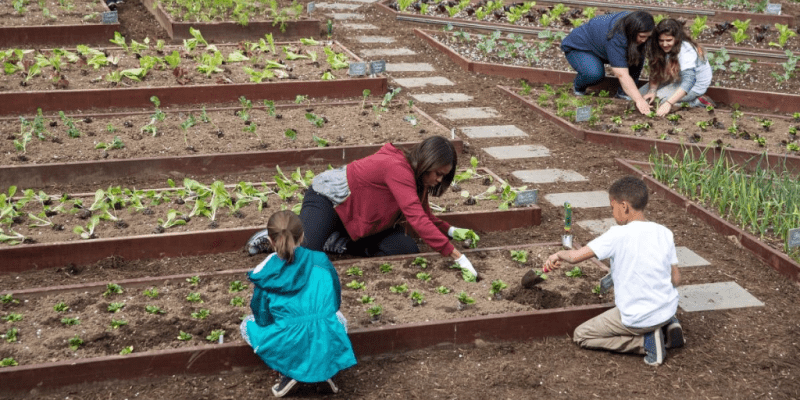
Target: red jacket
(381, 187)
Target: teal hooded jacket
(296, 331)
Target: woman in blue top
(616, 39)
(296, 326)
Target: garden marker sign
(377, 66)
(583, 114)
(526, 197)
(358, 69)
(311, 7)
(794, 237)
(773, 9)
(110, 17)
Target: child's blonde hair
(285, 230)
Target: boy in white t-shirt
(645, 273)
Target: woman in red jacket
(356, 209)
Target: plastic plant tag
(311, 7)
(110, 17)
(410, 119)
(566, 241)
(773, 8)
(358, 69)
(221, 339)
(526, 197)
(377, 66)
(794, 237)
(583, 113)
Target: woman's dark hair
(630, 189)
(631, 26)
(662, 69)
(431, 154)
(285, 230)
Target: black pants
(320, 221)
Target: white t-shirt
(642, 254)
(689, 59)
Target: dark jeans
(591, 70)
(320, 221)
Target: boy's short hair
(630, 189)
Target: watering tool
(532, 278)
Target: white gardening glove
(451, 231)
(464, 263)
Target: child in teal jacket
(296, 327)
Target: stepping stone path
(422, 82)
(492, 131)
(375, 39)
(548, 176)
(358, 26)
(593, 199)
(470, 113)
(715, 296)
(440, 97)
(597, 226)
(345, 16)
(410, 67)
(514, 152)
(337, 6)
(401, 51)
(688, 258)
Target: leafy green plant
(8, 362)
(442, 290)
(375, 311)
(417, 298)
(497, 286)
(574, 273)
(155, 310)
(8, 298)
(215, 335)
(75, 342)
(421, 262)
(464, 298)
(468, 236)
(68, 321)
(354, 271)
(385, 268)
(13, 317)
(194, 297)
(11, 335)
(126, 350)
(201, 314)
(61, 307)
(739, 36)
(237, 301)
(366, 299)
(698, 26)
(468, 276)
(784, 33)
(117, 143)
(115, 324)
(356, 285)
(151, 293)
(520, 256)
(425, 277)
(183, 336)
(112, 288)
(236, 286)
(399, 288)
(193, 280)
(718, 59)
(116, 307)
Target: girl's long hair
(665, 69)
(285, 230)
(431, 154)
(631, 26)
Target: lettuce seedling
(126, 351)
(327, 76)
(116, 307)
(375, 311)
(468, 276)
(385, 268)
(336, 60)
(61, 307)
(520, 256)
(116, 323)
(194, 297)
(11, 335)
(574, 273)
(399, 288)
(183, 336)
(356, 285)
(417, 298)
(442, 290)
(367, 299)
(497, 286)
(194, 280)
(155, 310)
(290, 133)
(151, 293)
(215, 335)
(75, 342)
(201, 314)
(421, 262)
(8, 299)
(13, 317)
(309, 42)
(114, 144)
(70, 321)
(425, 277)
(463, 298)
(354, 271)
(315, 120)
(236, 286)
(112, 288)
(14, 238)
(237, 301)
(468, 236)
(8, 362)
(172, 220)
(119, 40)
(320, 141)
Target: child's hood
(279, 277)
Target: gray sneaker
(258, 243)
(282, 388)
(654, 348)
(673, 334)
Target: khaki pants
(607, 332)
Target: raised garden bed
(214, 291)
(254, 20)
(89, 78)
(63, 23)
(557, 71)
(673, 147)
(767, 249)
(552, 14)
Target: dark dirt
(740, 353)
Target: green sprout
(236, 286)
(183, 336)
(75, 342)
(151, 293)
(116, 307)
(421, 262)
(215, 335)
(354, 271)
(425, 277)
(574, 273)
(520, 256)
(155, 310)
(366, 299)
(355, 285)
(417, 298)
(112, 288)
(497, 286)
(70, 321)
(386, 268)
(464, 299)
(61, 307)
(237, 301)
(399, 288)
(442, 290)
(201, 314)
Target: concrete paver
(548, 176)
(470, 113)
(715, 296)
(375, 39)
(440, 97)
(492, 131)
(422, 82)
(688, 258)
(400, 51)
(593, 199)
(514, 152)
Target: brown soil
(739, 353)
(158, 329)
(686, 129)
(226, 131)
(72, 12)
